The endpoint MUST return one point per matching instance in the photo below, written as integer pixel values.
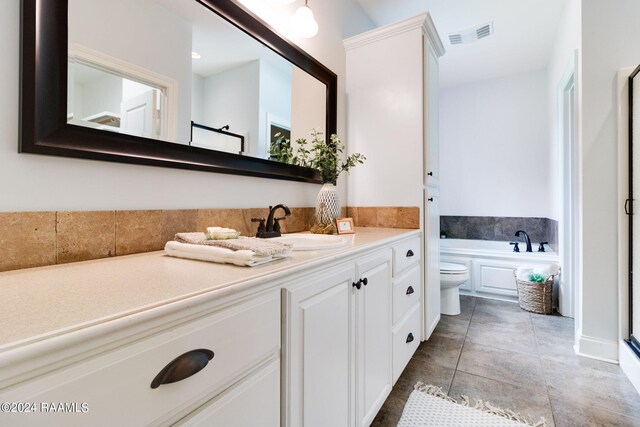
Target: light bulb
(304, 22)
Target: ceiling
(523, 39)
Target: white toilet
(451, 277)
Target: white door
(373, 336)
(316, 350)
(432, 260)
(137, 115)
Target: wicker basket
(535, 296)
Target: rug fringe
(484, 406)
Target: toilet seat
(450, 268)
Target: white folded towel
(219, 255)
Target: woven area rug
(429, 406)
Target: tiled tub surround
(500, 228)
(32, 239)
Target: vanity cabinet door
(317, 364)
(372, 309)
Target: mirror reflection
(173, 70)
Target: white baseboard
(596, 348)
(630, 364)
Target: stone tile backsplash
(33, 239)
(500, 228)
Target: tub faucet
(527, 240)
(272, 226)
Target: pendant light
(304, 22)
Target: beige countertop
(47, 301)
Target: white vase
(329, 200)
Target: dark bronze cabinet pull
(409, 253)
(359, 283)
(410, 290)
(183, 366)
(409, 338)
(430, 174)
(431, 199)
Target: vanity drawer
(405, 253)
(116, 386)
(406, 292)
(260, 392)
(406, 339)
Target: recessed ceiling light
(195, 55)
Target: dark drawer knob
(430, 174)
(410, 253)
(430, 199)
(357, 284)
(409, 338)
(364, 281)
(182, 367)
(410, 290)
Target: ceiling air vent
(470, 35)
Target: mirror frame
(43, 100)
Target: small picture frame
(345, 226)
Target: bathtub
(491, 265)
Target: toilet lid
(452, 268)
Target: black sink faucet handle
(516, 248)
(541, 247)
(261, 227)
(276, 223)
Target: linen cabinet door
(373, 350)
(432, 261)
(317, 350)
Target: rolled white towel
(524, 273)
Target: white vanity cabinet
(116, 386)
(317, 342)
(337, 344)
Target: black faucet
(272, 226)
(526, 239)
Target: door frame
(569, 182)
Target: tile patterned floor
(518, 360)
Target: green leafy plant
(316, 154)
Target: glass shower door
(634, 188)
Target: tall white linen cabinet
(392, 118)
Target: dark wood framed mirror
(46, 129)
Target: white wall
(197, 98)
(35, 183)
(97, 96)
(610, 40)
(567, 41)
(275, 99)
(232, 97)
(309, 108)
(493, 147)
